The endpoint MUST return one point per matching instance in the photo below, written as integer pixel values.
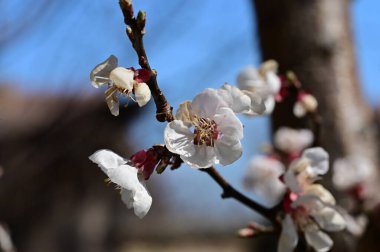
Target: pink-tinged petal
(122, 78)
(329, 219)
(319, 240)
(227, 122)
(319, 159)
(142, 93)
(101, 72)
(289, 236)
(107, 159)
(291, 181)
(207, 103)
(203, 157)
(227, 150)
(235, 98)
(179, 139)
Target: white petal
(203, 157)
(329, 219)
(322, 193)
(122, 78)
(184, 112)
(107, 159)
(228, 123)
(100, 74)
(257, 106)
(319, 159)
(319, 240)
(124, 176)
(142, 93)
(289, 237)
(112, 100)
(269, 103)
(207, 103)
(179, 139)
(291, 140)
(249, 78)
(273, 81)
(138, 198)
(299, 110)
(228, 150)
(291, 181)
(235, 98)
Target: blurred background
(51, 119)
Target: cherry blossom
(262, 177)
(122, 81)
(123, 173)
(306, 169)
(205, 131)
(310, 212)
(260, 84)
(292, 141)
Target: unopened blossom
(125, 175)
(312, 213)
(304, 170)
(351, 171)
(205, 131)
(292, 141)
(122, 81)
(262, 177)
(260, 84)
(306, 103)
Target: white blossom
(206, 131)
(306, 169)
(120, 80)
(262, 84)
(133, 190)
(351, 171)
(262, 177)
(292, 141)
(311, 212)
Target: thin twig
(135, 31)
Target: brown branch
(231, 192)
(135, 31)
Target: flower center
(205, 132)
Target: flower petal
(235, 98)
(179, 139)
(101, 72)
(291, 140)
(228, 123)
(203, 157)
(123, 78)
(329, 219)
(299, 110)
(142, 93)
(249, 79)
(257, 106)
(112, 100)
(289, 237)
(184, 112)
(319, 240)
(138, 198)
(319, 159)
(227, 150)
(107, 159)
(207, 103)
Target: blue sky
(193, 45)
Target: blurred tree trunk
(314, 39)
